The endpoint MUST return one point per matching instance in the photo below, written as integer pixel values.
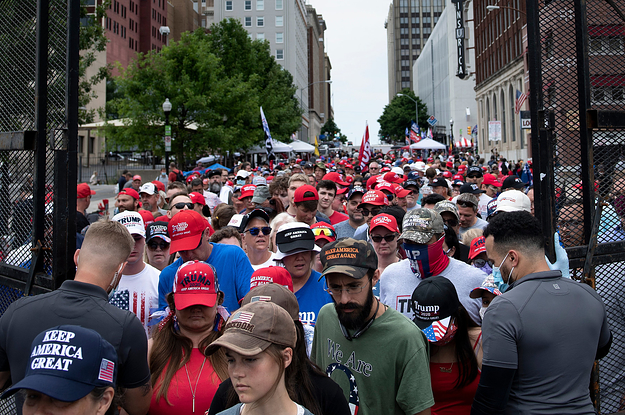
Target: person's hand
(562, 259)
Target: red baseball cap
(136, 177)
(349, 179)
(336, 178)
(300, 194)
(400, 191)
(342, 190)
(489, 179)
(267, 275)
(385, 186)
(478, 245)
(374, 197)
(371, 181)
(185, 230)
(385, 220)
(147, 216)
(159, 185)
(462, 168)
(393, 178)
(447, 174)
(247, 191)
(458, 177)
(385, 169)
(197, 198)
(130, 192)
(83, 190)
(450, 164)
(323, 230)
(195, 284)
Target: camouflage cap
(420, 225)
(447, 206)
(348, 256)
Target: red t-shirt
(338, 217)
(179, 392)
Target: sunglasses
(324, 232)
(255, 231)
(154, 245)
(373, 212)
(390, 237)
(481, 262)
(181, 205)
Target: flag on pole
(430, 135)
(526, 174)
(520, 99)
(365, 151)
(268, 139)
(407, 136)
(415, 132)
(316, 147)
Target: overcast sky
(356, 44)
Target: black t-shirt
(80, 304)
(462, 254)
(81, 221)
(327, 393)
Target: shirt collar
(84, 288)
(544, 275)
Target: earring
(176, 325)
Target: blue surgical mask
(503, 286)
(240, 182)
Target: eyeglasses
(255, 231)
(479, 262)
(324, 232)
(181, 205)
(348, 290)
(389, 237)
(154, 245)
(450, 222)
(373, 212)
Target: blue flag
(268, 139)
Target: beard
(215, 188)
(356, 319)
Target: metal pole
(166, 151)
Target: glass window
(279, 54)
(260, 21)
(260, 4)
(279, 5)
(248, 4)
(248, 21)
(260, 36)
(228, 5)
(279, 21)
(279, 37)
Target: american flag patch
(437, 330)
(242, 317)
(106, 370)
(265, 298)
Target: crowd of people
(412, 285)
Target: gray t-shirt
(344, 230)
(398, 282)
(548, 328)
(479, 224)
(236, 410)
(362, 233)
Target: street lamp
(166, 111)
(492, 7)
(451, 131)
(416, 105)
(301, 96)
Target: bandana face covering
(427, 260)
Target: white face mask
(482, 312)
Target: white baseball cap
(149, 188)
(132, 221)
(513, 201)
(398, 170)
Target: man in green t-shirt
(370, 350)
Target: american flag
(520, 99)
(437, 330)
(106, 370)
(415, 132)
(242, 317)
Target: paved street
(103, 191)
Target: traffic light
(469, 130)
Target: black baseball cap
(212, 173)
(434, 299)
(256, 213)
(513, 181)
(293, 238)
(470, 188)
(475, 171)
(157, 229)
(439, 182)
(409, 183)
(348, 256)
(355, 190)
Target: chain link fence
(576, 60)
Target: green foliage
(332, 131)
(397, 117)
(216, 83)
(92, 41)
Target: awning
(607, 30)
(607, 80)
(464, 143)
(301, 147)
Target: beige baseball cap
(274, 293)
(254, 327)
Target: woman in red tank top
(455, 340)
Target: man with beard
(369, 349)
(149, 199)
(216, 185)
(127, 199)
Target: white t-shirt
(398, 282)
(138, 293)
(270, 262)
(482, 204)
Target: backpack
(179, 176)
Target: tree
(216, 84)
(398, 115)
(332, 131)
